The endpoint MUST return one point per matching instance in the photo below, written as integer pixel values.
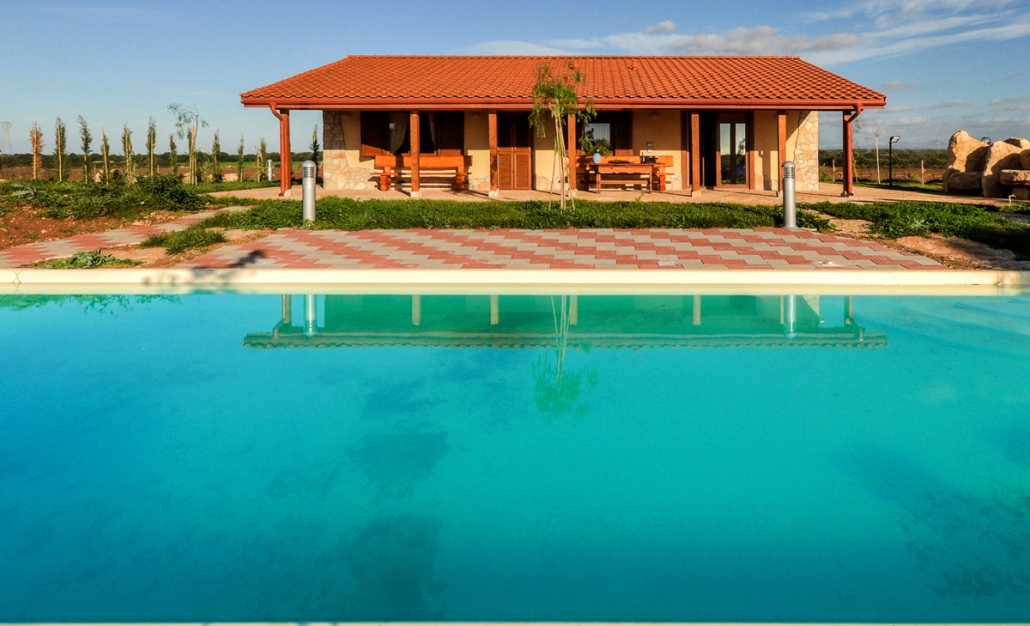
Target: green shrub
(114, 199)
(195, 236)
(88, 260)
(351, 214)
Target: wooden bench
(624, 170)
(393, 166)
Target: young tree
(130, 161)
(152, 147)
(554, 99)
(877, 129)
(216, 170)
(315, 147)
(261, 157)
(60, 147)
(87, 141)
(240, 162)
(36, 141)
(173, 155)
(188, 122)
(105, 152)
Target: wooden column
(416, 148)
(781, 148)
(285, 158)
(733, 153)
(749, 168)
(570, 150)
(849, 148)
(492, 124)
(684, 149)
(695, 151)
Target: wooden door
(514, 151)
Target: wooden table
(616, 174)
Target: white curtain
(398, 130)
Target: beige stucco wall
(662, 128)
(544, 160)
(477, 146)
(802, 148)
(343, 166)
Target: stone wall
(806, 152)
(343, 167)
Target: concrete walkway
(773, 248)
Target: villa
(705, 122)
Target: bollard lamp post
(309, 171)
(790, 213)
(890, 150)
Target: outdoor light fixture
(986, 140)
(894, 139)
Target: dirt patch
(22, 224)
(954, 252)
(962, 253)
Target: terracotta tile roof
(507, 81)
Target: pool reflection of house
(636, 322)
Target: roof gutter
(523, 104)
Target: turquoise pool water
(198, 458)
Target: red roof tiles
(613, 81)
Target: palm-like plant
(60, 147)
(87, 141)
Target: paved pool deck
(580, 249)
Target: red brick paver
(773, 248)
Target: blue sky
(945, 65)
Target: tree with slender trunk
(152, 147)
(173, 155)
(60, 147)
(130, 161)
(188, 122)
(315, 148)
(554, 99)
(36, 141)
(87, 141)
(240, 162)
(216, 169)
(877, 129)
(261, 157)
(105, 153)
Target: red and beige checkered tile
(773, 248)
(131, 235)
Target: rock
(1015, 178)
(962, 181)
(1022, 144)
(1024, 160)
(1000, 156)
(1021, 193)
(966, 153)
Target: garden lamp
(890, 150)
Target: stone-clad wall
(806, 152)
(343, 167)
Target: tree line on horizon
(101, 166)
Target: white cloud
(763, 40)
(953, 104)
(666, 26)
(897, 85)
(514, 47)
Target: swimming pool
(689, 458)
